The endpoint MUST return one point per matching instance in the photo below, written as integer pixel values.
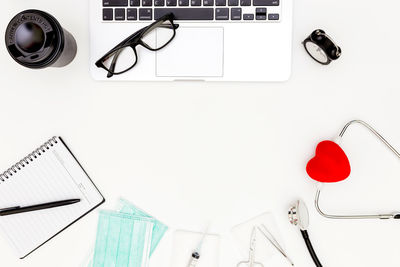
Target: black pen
(19, 209)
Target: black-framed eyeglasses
(154, 37)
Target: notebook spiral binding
(25, 161)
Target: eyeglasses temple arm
(124, 42)
(176, 26)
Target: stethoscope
(317, 174)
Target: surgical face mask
(125, 207)
(159, 228)
(123, 240)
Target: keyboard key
(236, 13)
(131, 14)
(145, 14)
(208, 2)
(159, 2)
(183, 2)
(195, 2)
(120, 14)
(222, 13)
(261, 13)
(248, 16)
(245, 2)
(147, 3)
(233, 2)
(135, 2)
(186, 13)
(220, 2)
(115, 2)
(108, 14)
(171, 2)
(265, 2)
(273, 16)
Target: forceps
(251, 261)
(267, 234)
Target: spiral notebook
(50, 173)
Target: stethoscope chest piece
(298, 215)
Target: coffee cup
(35, 39)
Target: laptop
(217, 40)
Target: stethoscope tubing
(310, 248)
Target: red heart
(330, 164)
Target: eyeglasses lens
(159, 35)
(121, 60)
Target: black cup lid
(34, 38)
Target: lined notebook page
(54, 175)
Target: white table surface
(189, 153)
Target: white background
(189, 153)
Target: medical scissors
(251, 262)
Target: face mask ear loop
(320, 185)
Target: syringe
(197, 252)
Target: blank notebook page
(51, 174)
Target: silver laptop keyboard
(198, 10)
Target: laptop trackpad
(194, 52)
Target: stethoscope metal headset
(315, 172)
